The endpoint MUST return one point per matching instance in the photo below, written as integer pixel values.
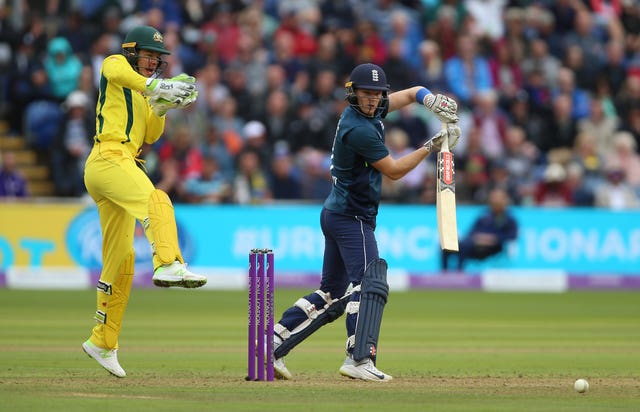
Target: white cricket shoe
(107, 358)
(279, 370)
(176, 274)
(365, 370)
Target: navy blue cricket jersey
(357, 186)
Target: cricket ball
(581, 386)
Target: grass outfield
(185, 350)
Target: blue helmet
(371, 77)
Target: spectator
(251, 184)
(614, 69)
(499, 178)
(220, 34)
(12, 182)
(407, 189)
(185, 152)
(581, 194)
(491, 123)
(73, 144)
(616, 193)
(579, 97)
(553, 190)
(372, 48)
(292, 23)
(209, 187)
(467, 73)
(62, 68)
(229, 124)
(520, 162)
(316, 177)
(212, 90)
(586, 36)
(625, 156)
(589, 159)
(561, 128)
(541, 61)
(506, 73)
(431, 66)
(284, 177)
(472, 168)
(489, 233)
(255, 137)
(599, 125)
(277, 116)
(444, 30)
(21, 87)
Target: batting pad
(163, 227)
(111, 306)
(373, 298)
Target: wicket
(261, 310)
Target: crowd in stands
(549, 93)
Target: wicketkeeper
(131, 109)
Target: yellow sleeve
(117, 69)
(155, 127)
(123, 113)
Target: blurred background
(549, 97)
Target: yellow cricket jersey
(123, 114)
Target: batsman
(354, 278)
(131, 108)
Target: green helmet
(145, 38)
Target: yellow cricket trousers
(121, 191)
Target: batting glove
(452, 132)
(442, 106)
(435, 142)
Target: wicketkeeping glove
(160, 106)
(442, 106)
(170, 89)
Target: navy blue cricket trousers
(349, 245)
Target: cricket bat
(446, 198)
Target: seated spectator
(215, 146)
(210, 187)
(12, 182)
(284, 177)
(625, 155)
(616, 193)
(62, 67)
(489, 233)
(467, 73)
(181, 147)
(553, 190)
(582, 195)
(408, 189)
(72, 145)
(251, 185)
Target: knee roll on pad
(373, 298)
(317, 318)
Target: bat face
(446, 201)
